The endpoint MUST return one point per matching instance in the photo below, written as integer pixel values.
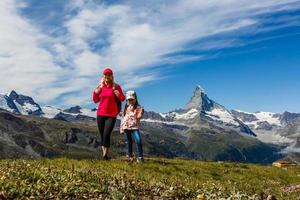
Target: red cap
(107, 71)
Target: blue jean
(135, 134)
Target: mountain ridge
(202, 119)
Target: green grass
(154, 179)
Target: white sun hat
(130, 94)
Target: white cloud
(24, 64)
(273, 138)
(291, 149)
(87, 63)
(140, 36)
(131, 37)
(138, 80)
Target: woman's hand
(117, 93)
(102, 82)
(98, 89)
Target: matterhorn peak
(199, 100)
(199, 89)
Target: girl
(109, 94)
(130, 124)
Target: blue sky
(244, 54)
(263, 76)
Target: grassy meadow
(154, 179)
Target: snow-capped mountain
(289, 118)
(259, 120)
(199, 112)
(266, 121)
(272, 127)
(25, 105)
(20, 104)
(201, 124)
(52, 112)
(202, 111)
(75, 113)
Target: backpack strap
(119, 103)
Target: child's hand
(139, 113)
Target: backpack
(119, 103)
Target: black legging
(105, 127)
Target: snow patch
(3, 103)
(88, 112)
(222, 115)
(30, 107)
(191, 114)
(188, 115)
(269, 117)
(26, 108)
(262, 117)
(240, 111)
(164, 115)
(20, 108)
(162, 122)
(50, 112)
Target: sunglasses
(131, 99)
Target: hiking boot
(106, 157)
(130, 159)
(140, 160)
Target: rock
(264, 126)
(71, 137)
(153, 115)
(3, 195)
(289, 118)
(201, 196)
(75, 110)
(271, 197)
(245, 117)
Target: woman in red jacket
(109, 94)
